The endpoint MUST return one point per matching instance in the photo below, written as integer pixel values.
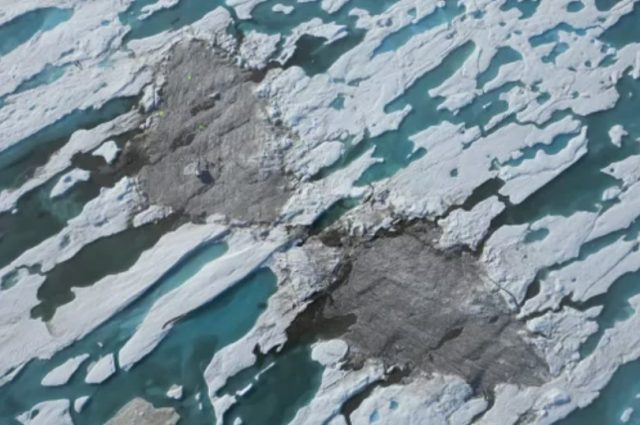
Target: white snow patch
(616, 134)
(151, 215)
(175, 392)
(109, 151)
(462, 227)
(68, 180)
(61, 374)
(80, 402)
(101, 370)
(282, 8)
(47, 413)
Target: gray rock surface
(209, 148)
(141, 412)
(410, 304)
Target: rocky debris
(200, 169)
(411, 304)
(208, 148)
(141, 412)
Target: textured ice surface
(61, 374)
(68, 180)
(101, 370)
(511, 124)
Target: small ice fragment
(175, 392)
(626, 415)
(79, 403)
(611, 193)
(101, 370)
(61, 374)
(47, 413)
(329, 352)
(616, 133)
(68, 180)
(108, 150)
(282, 8)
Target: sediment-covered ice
(141, 412)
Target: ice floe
(63, 373)
(80, 402)
(47, 413)
(108, 150)
(175, 392)
(68, 181)
(101, 370)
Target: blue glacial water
(39, 217)
(604, 5)
(621, 393)
(48, 75)
(625, 31)
(616, 308)
(277, 393)
(440, 16)
(503, 56)
(568, 193)
(20, 29)
(18, 163)
(180, 359)
(575, 6)
(394, 146)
